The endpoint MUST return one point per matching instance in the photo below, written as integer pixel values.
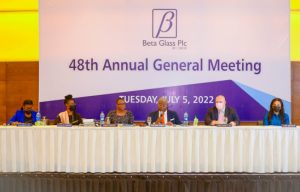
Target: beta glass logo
(164, 23)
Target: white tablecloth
(137, 149)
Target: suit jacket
(171, 115)
(212, 114)
(20, 117)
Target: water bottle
(107, 120)
(44, 120)
(195, 121)
(102, 117)
(38, 118)
(186, 118)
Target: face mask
(28, 112)
(73, 107)
(219, 106)
(276, 108)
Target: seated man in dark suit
(163, 115)
(221, 114)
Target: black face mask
(28, 112)
(73, 108)
(276, 108)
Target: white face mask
(220, 106)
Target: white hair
(162, 99)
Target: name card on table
(224, 125)
(24, 125)
(289, 125)
(64, 125)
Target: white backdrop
(250, 30)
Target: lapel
(226, 112)
(216, 114)
(156, 115)
(169, 115)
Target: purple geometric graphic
(91, 106)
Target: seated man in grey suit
(163, 115)
(221, 114)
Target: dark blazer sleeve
(233, 116)
(210, 116)
(174, 115)
(153, 115)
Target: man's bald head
(220, 98)
(220, 102)
(162, 104)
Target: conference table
(251, 149)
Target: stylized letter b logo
(164, 23)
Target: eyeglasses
(121, 104)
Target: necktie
(162, 121)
